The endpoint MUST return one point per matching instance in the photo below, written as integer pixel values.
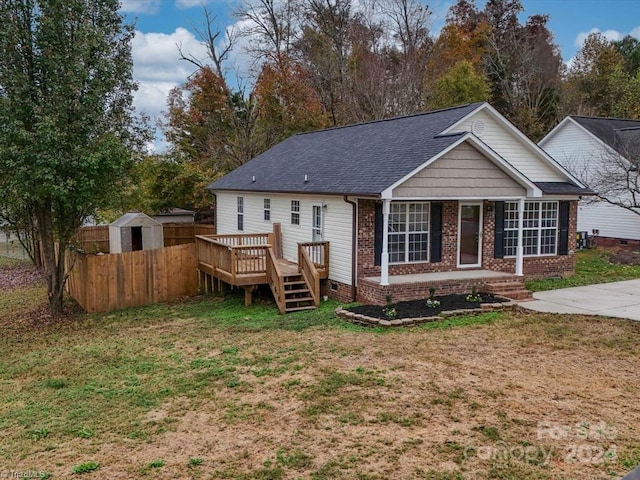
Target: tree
(66, 137)
(461, 84)
(614, 174)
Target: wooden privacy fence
(181, 233)
(93, 239)
(96, 239)
(102, 283)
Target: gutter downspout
(354, 245)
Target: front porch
(413, 286)
(249, 260)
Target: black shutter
(498, 237)
(436, 232)
(563, 248)
(377, 242)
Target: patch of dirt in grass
(626, 257)
(19, 276)
(412, 404)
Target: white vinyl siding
(574, 148)
(514, 150)
(337, 224)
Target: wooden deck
(248, 260)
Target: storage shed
(135, 231)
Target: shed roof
(134, 219)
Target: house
(438, 199)
(175, 215)
(593, 148)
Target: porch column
(520, 249)
(384, 261)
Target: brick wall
(533, 267)
(337, 290)
(373, 293)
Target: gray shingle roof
(615, 132)
(562, 188)
(361, 159)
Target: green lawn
(209, 389)
(592, 266)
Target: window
(267, 209)
(409, 232)
(540, 228)
(295, 212)
(240, 213)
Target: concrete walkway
(617, 299)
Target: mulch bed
(418, 308)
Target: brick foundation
(337, 290)
(617, 243)
(373, 293)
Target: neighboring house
(591, 148)
(448, 187)
(175, 215)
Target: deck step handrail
(275, 278)
(308, 270)
(318, 253)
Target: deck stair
(513, 288)
(297, 294)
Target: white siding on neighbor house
(578, 152)
(501, 139)
(574, 148)
(463, 171)
(337, 224)
(612, 221)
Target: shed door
(136, 238)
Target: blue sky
(161, 24)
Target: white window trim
(264, 209)
(407, 232)
(240, 213)
(539, 229)
(292, 211)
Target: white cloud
(157, 68)
(141, 6)
(190, 3)
(612, 35)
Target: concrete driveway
(617, 299)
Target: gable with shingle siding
(499, 137)
(462, 172)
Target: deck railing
(308, 270)
(234, 240)
(275, 278)
(236, 259)
(318, 253)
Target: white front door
(470, 235)
(317, 233)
